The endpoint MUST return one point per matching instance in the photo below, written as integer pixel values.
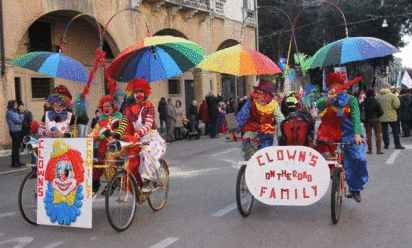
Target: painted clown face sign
(287, 175)
(64, 182)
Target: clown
(59, 122)
(106, 125)
(138, 125)
(256, 118)
(340, 121)
(64, 173)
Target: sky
(406, 53)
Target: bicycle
(245, 199)
(126, 191)
(339, 186)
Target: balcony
(184, 5)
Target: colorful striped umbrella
(239, 61)
(53, 64)
(156, 58)
(351, 49)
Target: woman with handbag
(372, 111)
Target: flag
(406, 80)
(324, 89)
(398, 81)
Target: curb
(4, 153)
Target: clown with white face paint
(138, 125)
(58, 122)
(64, 175)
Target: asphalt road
(201, 209)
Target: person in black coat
(373, 111)
(162, 112)
(214, 113)
(404, 115)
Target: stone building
(38, 25)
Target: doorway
(189, 94)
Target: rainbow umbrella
(156, 58)
(53, 64)
(351, 49)
(239, 61)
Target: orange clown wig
(138, 84)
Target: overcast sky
(406, 53)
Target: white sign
(342, 73)
(406, 80)
(287, 175)
(64, 182)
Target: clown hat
(59, 148)
(265, 86)
(107, 98)
(61, 94)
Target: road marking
(4, 215)
(20, 241)
(393, 156)
(230, 150)
(12, 171)
(229, 208)
(52, 245)
(165, 243)
(408, 146)
(177, 172)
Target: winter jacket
(213, 107)
(179, 116)
(162, 110)
(193, 111)
(373, 109)
(170, 114)
(403, 111)
(204, 113)
(14, 120)
(389, 103)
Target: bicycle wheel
(28, 198)
(336, 196)
(158, 197)
(244, 199)
(121, 203)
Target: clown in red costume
(106, 125)
(257, 116)
(340, 121)
(64, 173)
(58, 122)
(138, 125)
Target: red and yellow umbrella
(239, 61)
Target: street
(201, 209)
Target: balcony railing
(204, 5)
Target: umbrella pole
(235, 94)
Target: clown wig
(60, 95)
(75, 157)
(108, 98)
(138, 84)
(332, 78)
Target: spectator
(373, 111)
(27, 119)
(214, 113)
(82, 121)
(229, 106)
(193, 111)
(389, 103)
(14, 121)
(204, 116)
(403, 111)
(96, 119)
(170, 120)
(179, 120)
(162, 112)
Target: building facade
(38, 25)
